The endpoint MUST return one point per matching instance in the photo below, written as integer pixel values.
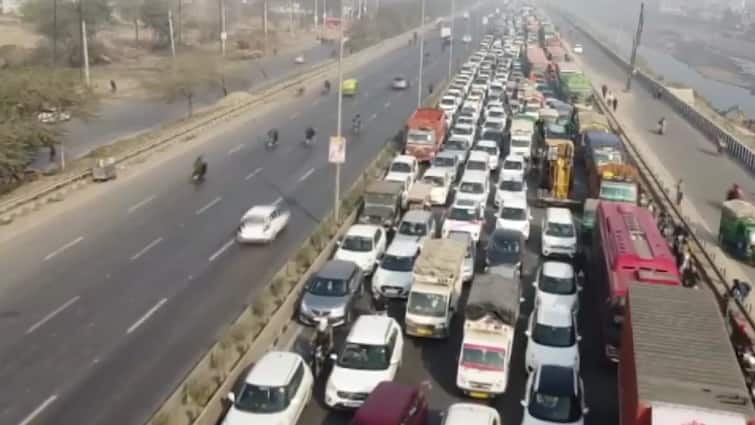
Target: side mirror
(338, 243)
(523, 403)
(528, 333)
(333, 356)
(231, 397)
(521, 300)
(579, 338)
(534, 284)
(579, 288)
(585, 410)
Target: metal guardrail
(738, 150)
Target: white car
(478, 161)
(556, 284)
(400, 83)
(465, 131)
(403, 167)
(449, 104)
(474, 185)
(52, 116)
(509, 189)
(554, 395)
(512, 168)
(466, 39)
(441, 182)
(465, 120)
(448, 161)
(470, 414)
(552, 338)
(495, 113)
(274, 392)
(559, 236)
(262, 223)
(578, 48)
(363, 245)
(371, 354)
(393, 277)
(470, 259)
(299, 59)
(514, 214)
(490, 147)
(465, 215)
(473, 108)
(459, 146)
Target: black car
(505, 253)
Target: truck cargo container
(677, 363)
(425, 132)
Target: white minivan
(559, 235)
(475, 186)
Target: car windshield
(258, 399)
(328, 287)
(448, 102)
(255, 219)
(557, 285)
(401, 167)
(397, 264)
(554, 408)
(553, 336)
(456, 145)
(477, 165)
(364, 357)
(483, 358)
(372, 198)
(462, 214)
(412, 228)
(490, 150)
(520, 143)
(471, 187)
(496, 114)
(357, 243)
(560, 230)
(464, 131)
(495, 125)
(443, 161)
(422, 304)
(434, 181)
(465, 120)
(512, 165)
(618, 192)
(419, 137)
(513, 213)
(512, 185)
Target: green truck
(736, 232)
(576, 88)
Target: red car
(391, 403)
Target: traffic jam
(515, 155)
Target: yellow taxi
(350, 87)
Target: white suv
(371, 354)
(552, 338)
(556, 284)
(559, 236)
(363, 245)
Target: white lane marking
(52, 314)
(236, 149)
(294, 116)
(253, 173)
(140, 204)
(147, 315)
(372, 117)
(306, 175)
(29, 418)
(63, 248)
(146, 248)
(208, 206)
(222, 249)
(387, 104)
(278, 201)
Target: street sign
(337, 151)
(484, 20)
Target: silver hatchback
(331, 294)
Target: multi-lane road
(108, 302)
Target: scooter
(198, 175)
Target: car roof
(513, 158)
(474, 176)
(336, 269)
(274, 369)
(386, 404)
(478, 156)
(365, 230)
(554, 315)
(260, 210)
(556, 380)
(558, 215)
(403, 247)
(417, 215)
(469, 413)
(443, 154)
(515, 202)
(370, 329)
(558, 269)
(487, 143)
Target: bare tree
(186, 77)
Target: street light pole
(339, 112)
(54, 32)
(451, 48)
(421, 54)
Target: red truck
(677, 365)
(425, 132)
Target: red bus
(627, 248)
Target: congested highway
(109, 299)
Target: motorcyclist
(662, 125)
(309, 135)
(322, 342)
(326, 85)
(735, 192)
(200, 167)
(272, 137)
(356, 123)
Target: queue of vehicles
(480, 145)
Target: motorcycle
(271, 143)
(356, 128)
(197, 176)
(319, 356)
(300, 92)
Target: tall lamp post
(339, 113)
(421, 53)
(451, 48)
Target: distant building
(9, 6)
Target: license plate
(477, 394)
(352, 403)
(423, 331)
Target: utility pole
(290, 16)
(451, 48)
(180, 22)
(635, 45)
(223, 35)
(339, 113)
(314, 14)
(54, 32)
(264, 22)
(85, 51)
(421, 54)
(172, 39)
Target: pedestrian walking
(609, 98)
(604, 90)
(113, 87)
(53, 153)
(615, 104)
(679, 193)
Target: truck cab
(436, 288)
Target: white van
(474, 185)
(522, 131)
(559, 235)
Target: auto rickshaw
(350, 87)
(736, 232)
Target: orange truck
(425, 132)
(613, 181)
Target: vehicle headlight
(304, 308)
(338, 312)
